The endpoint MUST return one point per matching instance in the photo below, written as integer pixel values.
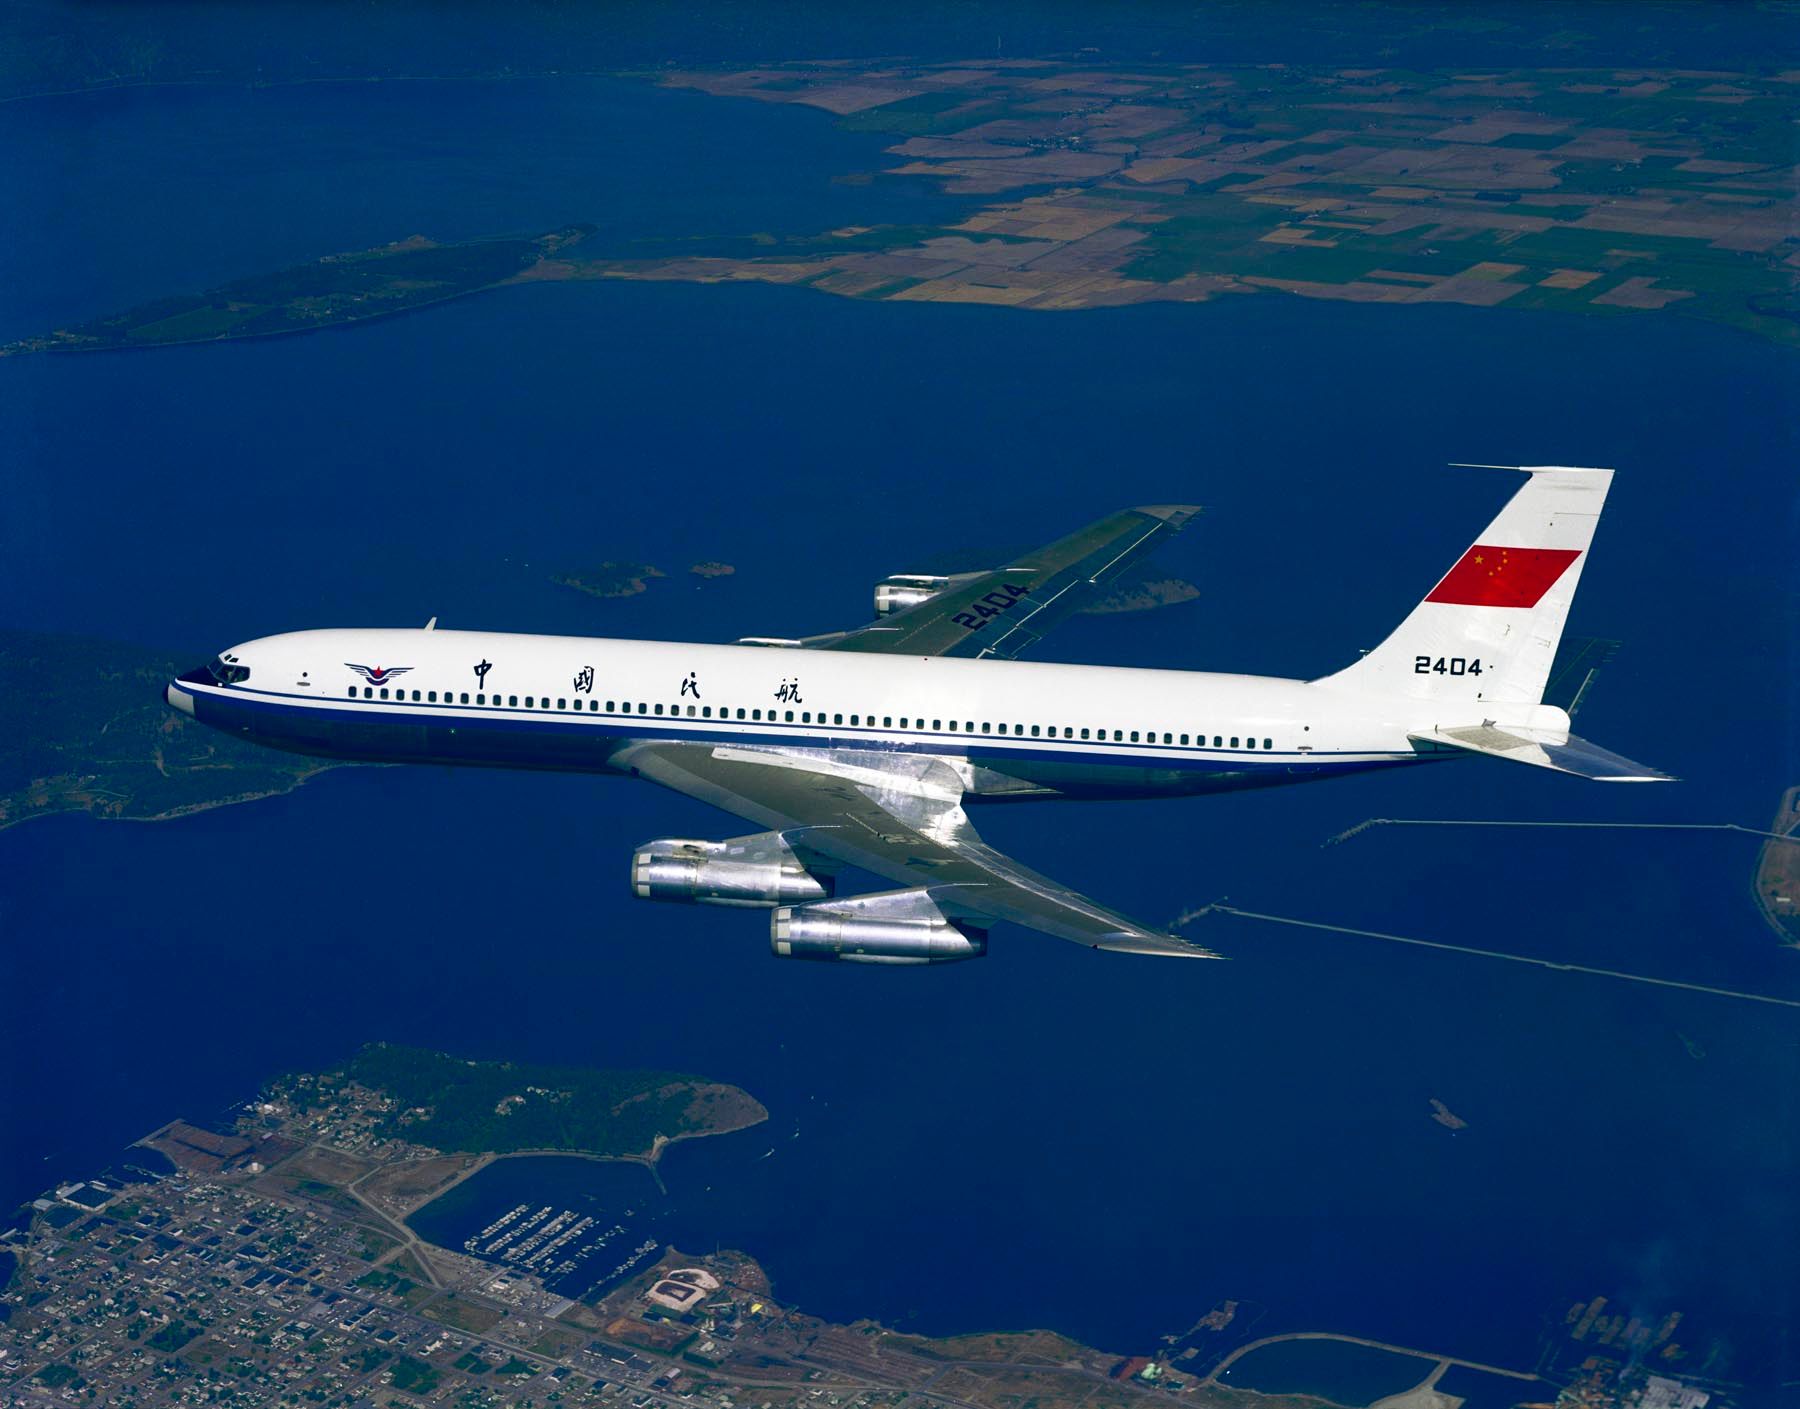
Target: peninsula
(330, 292)
(1595, 191)
(276, 1259)
(87, 731)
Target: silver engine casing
(894, 927)
(755, 871)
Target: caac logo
(378, 674)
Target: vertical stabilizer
(1488, 631)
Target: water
(1332, 1370)
(1258, 1129)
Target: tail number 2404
(1445, 665)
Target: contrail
(1221, 909)
(1360, 827)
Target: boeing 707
(867, 748)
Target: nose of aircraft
(181, 698)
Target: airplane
(866, 748)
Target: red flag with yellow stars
(1486, 576)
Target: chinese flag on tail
(1503, 577)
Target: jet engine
(906, 589)
(757, 870)
(895, 927)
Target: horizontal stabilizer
(1563, 752)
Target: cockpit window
(228, 673)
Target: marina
(579, 1225)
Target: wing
(902, 819)
(1005, 611)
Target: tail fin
(1488, 631)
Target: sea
(1105, 1145)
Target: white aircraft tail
(1487, 633)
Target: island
(1446, 1117)
(1594, 191)
(275, 1254)
(88, 731)
(609, 579)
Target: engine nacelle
(758, 870)
(906, 589)
(895, 927)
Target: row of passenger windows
(805, 716)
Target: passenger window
(1118, 736)
(937, 724)
(854, 718)
(756, 714)
(531, 702)
(952, 726)
(904, 725)
(384, 692)
(968, 726)
(564, 704)
(740, 714)
(659, 709)
(1217, 741)
(1184, 738)
(1268, 743)
(985, 727)
(1168, 738)
(837, 719)
(790, 716)
(887, 721)
(1234, 741)
(431, 696)
(645, 709)
(806, 716)
(1034, 731)
(1134, 736)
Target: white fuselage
(1016, 729)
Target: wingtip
(1160, 946)
(1174, 515)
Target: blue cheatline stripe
(562, 724)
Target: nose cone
(178, 698)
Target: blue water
(1258, 1129)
